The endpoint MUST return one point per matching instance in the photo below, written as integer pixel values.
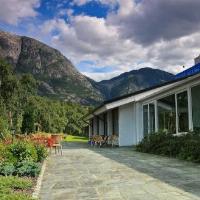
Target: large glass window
(115, 119)
(145, 119)
(182, 109)
(167, 114)
(151, 117)
(195, 91)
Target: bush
(21, 158)
(23, 151)
(7, 168)
(41, 152)
(27, 168)
(186, 147)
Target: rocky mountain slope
(59, 79)
(133, 81)
(57, 76)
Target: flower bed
(20, 158)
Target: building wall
(138, 116)
(127, 127)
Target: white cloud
(13, 11)
(113, 42)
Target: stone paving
(85, 173)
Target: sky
(104, 38)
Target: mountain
(59, 79)
(57, 76)
(132, 81)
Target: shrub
(41, 152)
(185, 147)
(28, 168)
(23, 151)
(21, 158)
(7, 168)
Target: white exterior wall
(127, 128)
(109, 122)
(138, 115)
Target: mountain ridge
(59, 79)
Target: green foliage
(28, 123)
(14, 188)
(21, 158)
(41, 152)
(21, 108)
(56, 116)
(4, 127)
(186, 147)
(7, 168)
(28, 168)
(23, 151)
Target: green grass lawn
(73, 138)
(15, 188)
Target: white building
(173, 107)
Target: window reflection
(167, 114)
(182, 106)
(151, 118)
(195, 91)
(145, 119)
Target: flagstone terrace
(88, 173)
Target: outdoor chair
(56, 143)
(113, 140)
(98, 140)
(105, 141)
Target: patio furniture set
(101, 140)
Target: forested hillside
(23, 111)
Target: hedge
(185, 147)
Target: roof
(188, 72)
(139, 95)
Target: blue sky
(104, 38)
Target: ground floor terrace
(173, 108)
(85, 173)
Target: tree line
(23, 111)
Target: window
(149, 118)
(145, 119)
(115, 119)
(182, 112)
(195, 92)
(167, 114)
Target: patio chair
(98, 140)
(56, 143)
(105, 141)
(113, 139)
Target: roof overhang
(140, 96)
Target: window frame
(148, 114)
(155, 102)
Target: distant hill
(59, 79)
(132, 81)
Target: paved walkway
(113, 174)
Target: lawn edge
(37, 188)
